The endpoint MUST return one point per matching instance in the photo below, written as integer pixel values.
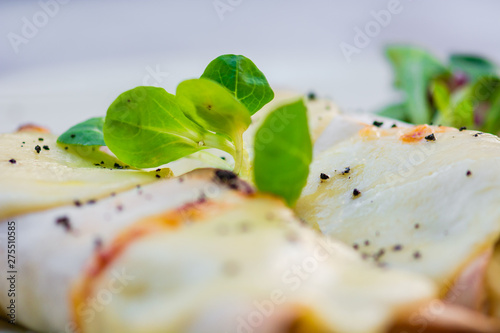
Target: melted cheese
(51, 256)
(424, 206)
(242, 264)
(56, 176)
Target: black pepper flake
(378, 123)
(469, 173)
(244, 227)
(417, 255)
(91, 201)
(311, 96)
(24, 142)
(98, 243)
(64, 222)
(397, 247)
(39, 139)
(228, 178)
(394, 125)
(478, 134)
(77, 203)
(102, 162)
(118, 166)
(38, 149)
(292, 237)
(72, 136)
(230, 268)
(463, 128)
(12, 161)
(119, 208)
(324, 176)
(346, 171)
(356, 192)
(66, 148)
(430, 137)
(379, 254)
(158, 170)
(355, 246)
(113, 194)
(97, 164)
(417, 226)
(46, 147)
(223, 158)
(367, 242)
(158, 176)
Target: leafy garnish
(283, 152)
(414, 68)
(395, 111)
(245, 81)
(464, 93)
(87, 133)
(472, 66)
(146, 127)
(217, 110)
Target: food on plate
(419, 198)
(395, 229)
(192, 252)
(37, 173)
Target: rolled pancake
(423, 199)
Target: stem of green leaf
(238, 157)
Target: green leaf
(395, 111)
(214, 107)
(216, 110)
(492, 123)
(473, 66)
(87, 133)
(414, 68)
(245, 81)
(442, 100)
(283, 152)
(146, 127)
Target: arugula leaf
(245, 81)
(414, 68)
(146, 127)
(473, 66)
(283, 152)
(86, 133)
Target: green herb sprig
(465, 92)
(146, 127)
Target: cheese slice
(36, 173)
(423, 199)
(52, 246)
(242, 264)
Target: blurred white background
(63, 61)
